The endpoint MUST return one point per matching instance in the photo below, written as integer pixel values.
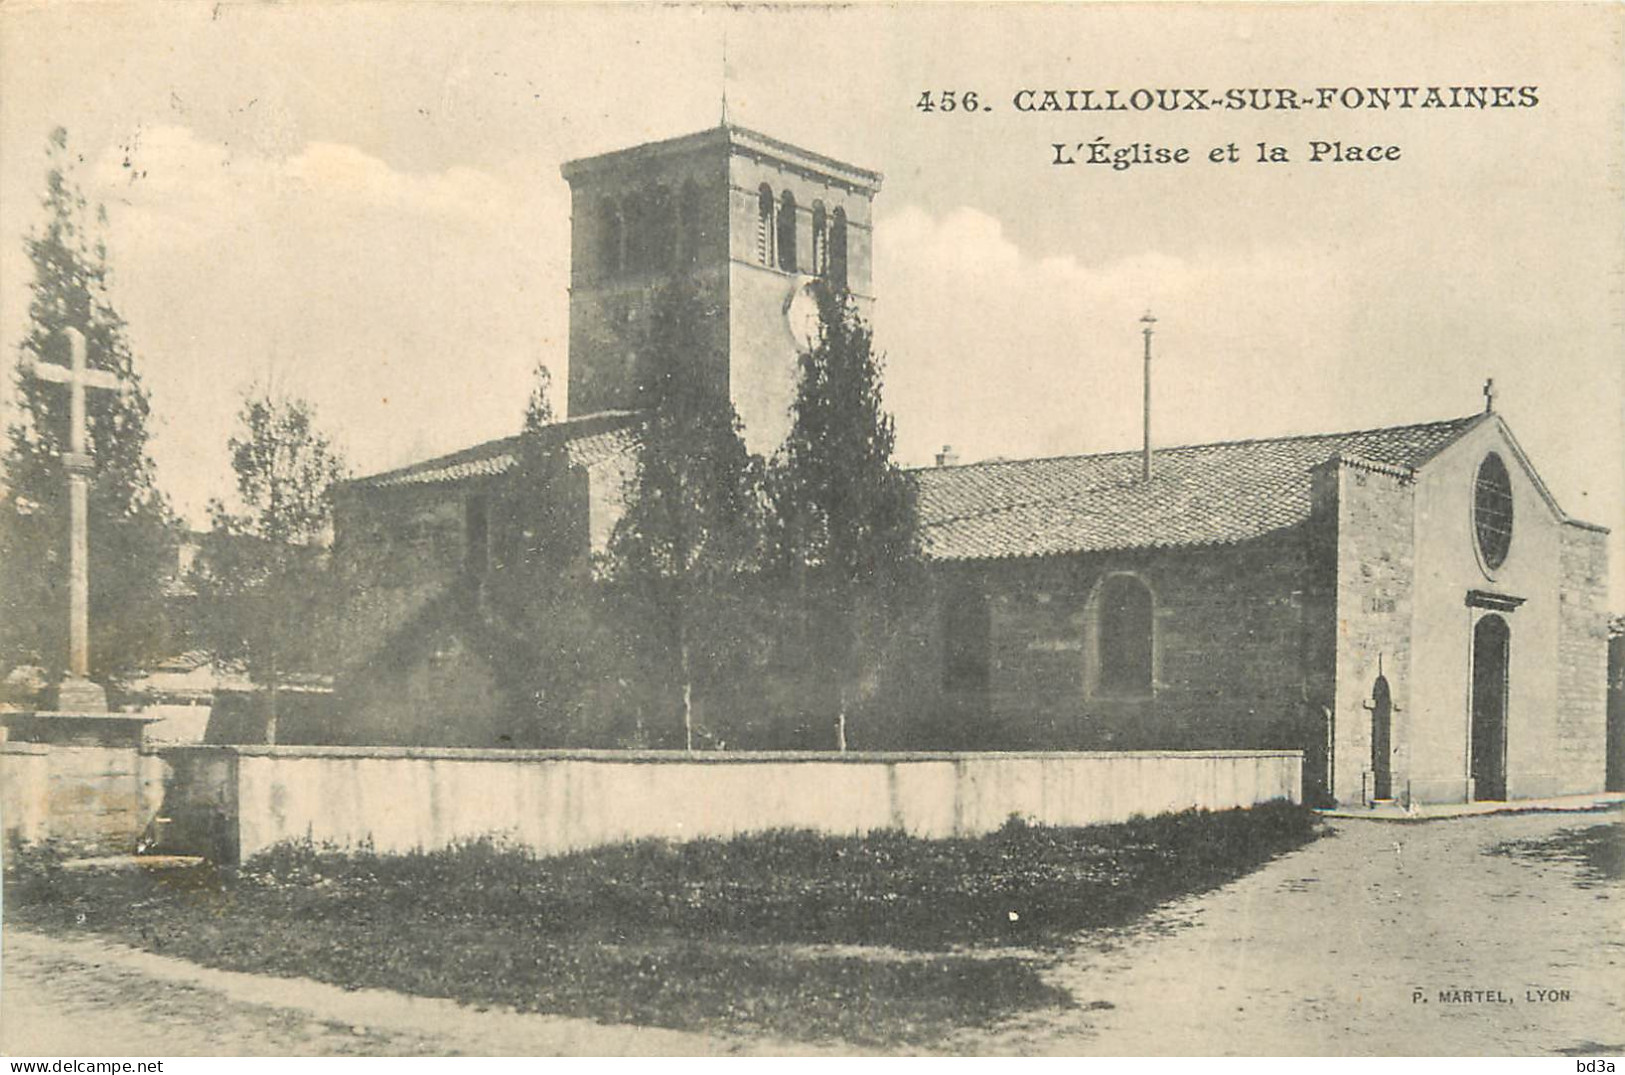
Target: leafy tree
(542, 489)
(539, 404)
(844, 510)
(131, 535)
(264, 578)
(541, 593)
(693, 523)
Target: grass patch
(1598, 850)
(711, 934)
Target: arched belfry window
(837, 248)
(787, 232)
(1492, 511)
(1125, 624)
(764, 225)
(612, 239)
(820, 240)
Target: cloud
(191, 189)
(409, 306)
(1006, 354)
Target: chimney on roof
(947, 457)
(1145, 465)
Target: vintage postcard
(950, 529)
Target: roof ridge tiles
(490, 449)
(1219, 492)
(1137, 452)
(1051, 499)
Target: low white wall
(175, 724)
(25, 777)
(96, 798)
(552, 801)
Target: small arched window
(476, 535)
(635, 220)
(691, 229)
(612, 239)
(764, 225)
(837, 248)
(967, 640)
(661, 227)
(820, 240)
(1125, 636)
(1492, 511)
(787, 232)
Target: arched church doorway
(1491, 647)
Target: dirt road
(1344, 948)
(1382, 938)
(81, 997)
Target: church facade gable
(1500, 567)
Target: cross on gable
(78, 376)
(1489, 395)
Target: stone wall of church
(1616, 711)
(429, 687)
(609, 485)
(1375, 586)
(611, 303)
(763, 351)
(611, 325)
(763, 359)
(416, 665)
(1230, 657)
(1582, 656)
(395, 550)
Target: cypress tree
(844, 510)
(131, 530)
(692, 530)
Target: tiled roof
(1200, 494)
(589, 440)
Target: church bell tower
(752, 221)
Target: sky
(361, 203)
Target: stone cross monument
(77, 693)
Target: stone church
(1408, 605)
